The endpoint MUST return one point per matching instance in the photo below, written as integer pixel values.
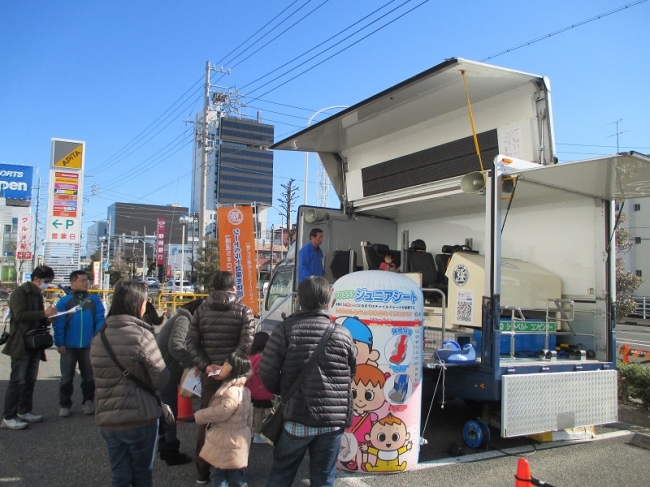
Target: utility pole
(204, 155)
(36, 223)
(617, 132)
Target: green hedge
(634, 382)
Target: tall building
(240, 166)
(133, 229)
(637, 259)
(94, 232)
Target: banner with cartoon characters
(383, 312)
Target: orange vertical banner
(237, 250)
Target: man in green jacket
(27, 313)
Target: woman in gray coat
(126, 414)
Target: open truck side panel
(399, 158)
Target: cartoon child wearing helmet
(362, 338)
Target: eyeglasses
(47, 282)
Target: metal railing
(642, 308)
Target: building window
(637, 207)
(637, 240)
(639, 273)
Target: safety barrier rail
(626, 351)
(642, 308)
(174, 300)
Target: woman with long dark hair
(127, 414)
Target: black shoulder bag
(273, 424)
(166, 417)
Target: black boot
(170, 453)
(161, 447)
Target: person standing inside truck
(310, 257)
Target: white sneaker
(89, 407)
(31, 417)
(13, 424)
(64, 412)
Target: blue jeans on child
(131, 453)
(227, 478)
(290, 451)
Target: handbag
(38, 339)
(274, 423)
(167, 416)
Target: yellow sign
(72, 160)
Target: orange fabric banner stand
(237, 252)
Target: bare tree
(287, 201)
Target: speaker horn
(472, 182)
(316, 216)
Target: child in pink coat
(229, 419)
(262, 399)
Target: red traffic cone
(185, 409)
(523, 477)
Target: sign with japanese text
(237, 251)
(160, 242)
(65, 192)
(25, 238)
(97, 273)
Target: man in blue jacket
(72, 335)
(310, 257)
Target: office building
(240, 166)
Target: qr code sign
(464, 312)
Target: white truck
(514, 252)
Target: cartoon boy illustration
(388, 439)
(367, 396)
(362, 338)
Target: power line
(324, 42)
(564, 29)
(132, 141)
(281, 33)
(257, 31)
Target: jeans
(131, 454)
(20, 391)
(69, 361)
(227, 478)
(169, 395)
(290, 450)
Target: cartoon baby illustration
(362, 338)
(367, 396)
(388, 440)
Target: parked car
(174, 286)
(152, 282)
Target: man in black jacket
(321, 407)
(27, 313)
(221, 325)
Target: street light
(184, 220)
(307, 153)
(102, 239)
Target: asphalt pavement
(70, 452)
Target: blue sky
(105, 72)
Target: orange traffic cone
(523, 477)
(185, 409)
